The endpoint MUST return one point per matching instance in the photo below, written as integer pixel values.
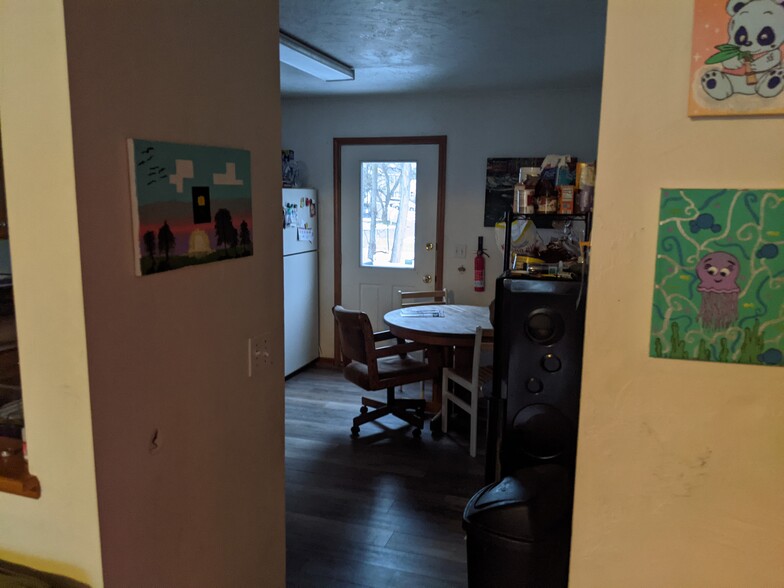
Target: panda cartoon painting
(756, 33)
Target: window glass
(388, 219)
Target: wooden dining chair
(377, 368)
(474, 382)
(421, 297)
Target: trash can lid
(524, 506)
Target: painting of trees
(176, 190)
(165, 241)
(245, 241)
(149, 247)
(225, 231)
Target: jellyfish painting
(718, 274)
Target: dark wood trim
(14, 475)
(337, 146)
(327, 363)
(337, 248)
(440, 212)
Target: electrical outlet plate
(259, 356)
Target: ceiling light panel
(312, 61)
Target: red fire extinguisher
(479, 267)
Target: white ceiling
(405, 46)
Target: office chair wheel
(355, 431)
(417, 433)
(363, 409)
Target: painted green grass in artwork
(751, 348)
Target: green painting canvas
(719, 284)
(191, 204)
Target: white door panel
(370, 302)
(374, 290)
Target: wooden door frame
(337, 152)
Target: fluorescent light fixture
(312, 61)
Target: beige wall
(59, 532)
(680, 464)
(169, 352)
(165, 352)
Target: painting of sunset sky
(191, 204)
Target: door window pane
(388, 219)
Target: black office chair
(376, 368)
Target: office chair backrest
(356, 334)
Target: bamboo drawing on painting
(736, 60)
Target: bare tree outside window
(388, 192)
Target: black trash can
(519, 530)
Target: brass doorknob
(429, 246)
(427, 279)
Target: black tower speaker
(538, 356)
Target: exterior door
(389, 210)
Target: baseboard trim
(328, 363)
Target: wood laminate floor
(382, 510)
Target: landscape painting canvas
(736, 58)
(719, 283)
(191, 204)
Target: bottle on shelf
(565, 199)
(586, 178)
(525, 191)
(546, 197)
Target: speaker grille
(539, 328)
(542, 432)
(544, 326)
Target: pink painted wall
(168, 352)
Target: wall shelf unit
(542, 221)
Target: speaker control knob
(551, 363)
(534, 385)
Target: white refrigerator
(300, 278)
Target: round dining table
(450, 328)
(443, 325)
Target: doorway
(374, 196)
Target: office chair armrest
(400, 350)
(383, 336)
